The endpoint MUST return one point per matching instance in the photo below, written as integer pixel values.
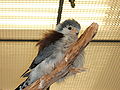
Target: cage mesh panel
(30, 19)
(102, 61)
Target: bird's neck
(71, 37)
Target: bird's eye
(69, 28)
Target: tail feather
(24, 73)
(22, 85)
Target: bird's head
(69, 26)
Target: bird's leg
(77, 70)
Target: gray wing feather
(46, 52)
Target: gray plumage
(52, 54)
(69, 23)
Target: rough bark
(63, 67)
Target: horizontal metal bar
(18, 40)
(105, 41)
(30, 40)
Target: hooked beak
(74, 31)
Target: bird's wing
(46, 52)
(46, 48)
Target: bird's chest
(62, 46)
(65, 42)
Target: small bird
(52, 49)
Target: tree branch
(63, 67)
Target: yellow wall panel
(102, 61)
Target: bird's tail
(24, 73)
(22, 85)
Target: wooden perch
(63, 67)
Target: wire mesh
(30, 19)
